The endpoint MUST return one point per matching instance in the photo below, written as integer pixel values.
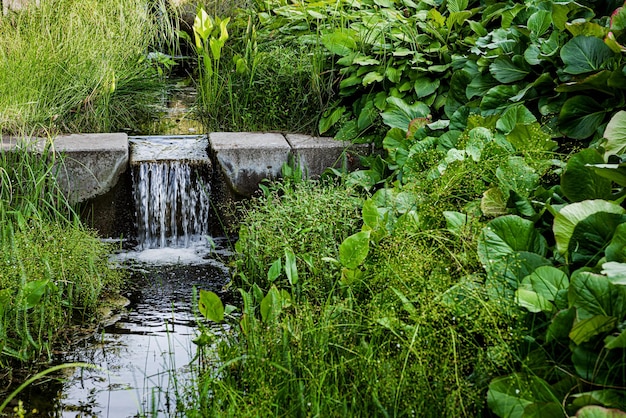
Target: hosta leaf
(584, 54)
(585, 330)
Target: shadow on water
(144, 354)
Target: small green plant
(210, 36)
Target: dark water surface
(145, 353)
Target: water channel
(144, 352)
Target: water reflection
(146, 355)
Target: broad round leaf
(581, 116)
(615, 135)
(572, 234)
(580, 182)
(584, 54)
(508, 234)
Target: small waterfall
(171, 190)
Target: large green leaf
(616, 250)
(615, 135)
(585, 330)
(508, 234)
(584, 54)
(340, 42)
(548, 281)
(581, 116)
(498, 98)
(354, 249)
(507, 70)
(561, 325)
(593, 294)
(563, 10)
(210, 306)
(580, 182)
(532, 301)
(509, 396)
(539, 22)
(515, 175)
(400, 114)
(612, 172)
(518, 114)
(566, 221)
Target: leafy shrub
(306, 219)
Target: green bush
(311, 219)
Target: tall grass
(52, 269)
(77, 66)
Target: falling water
(171, 193)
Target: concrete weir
(95, 171)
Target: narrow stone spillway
(171, 189)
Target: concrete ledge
(246, 158)
(92, 163)
(316, 154)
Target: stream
(143, 356)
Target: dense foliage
(53, 271)
(490, 243)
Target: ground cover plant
(53, 271)
(489, 254)
(79, 66)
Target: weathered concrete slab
(246, 158)
(316, 154)
(92, 165)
